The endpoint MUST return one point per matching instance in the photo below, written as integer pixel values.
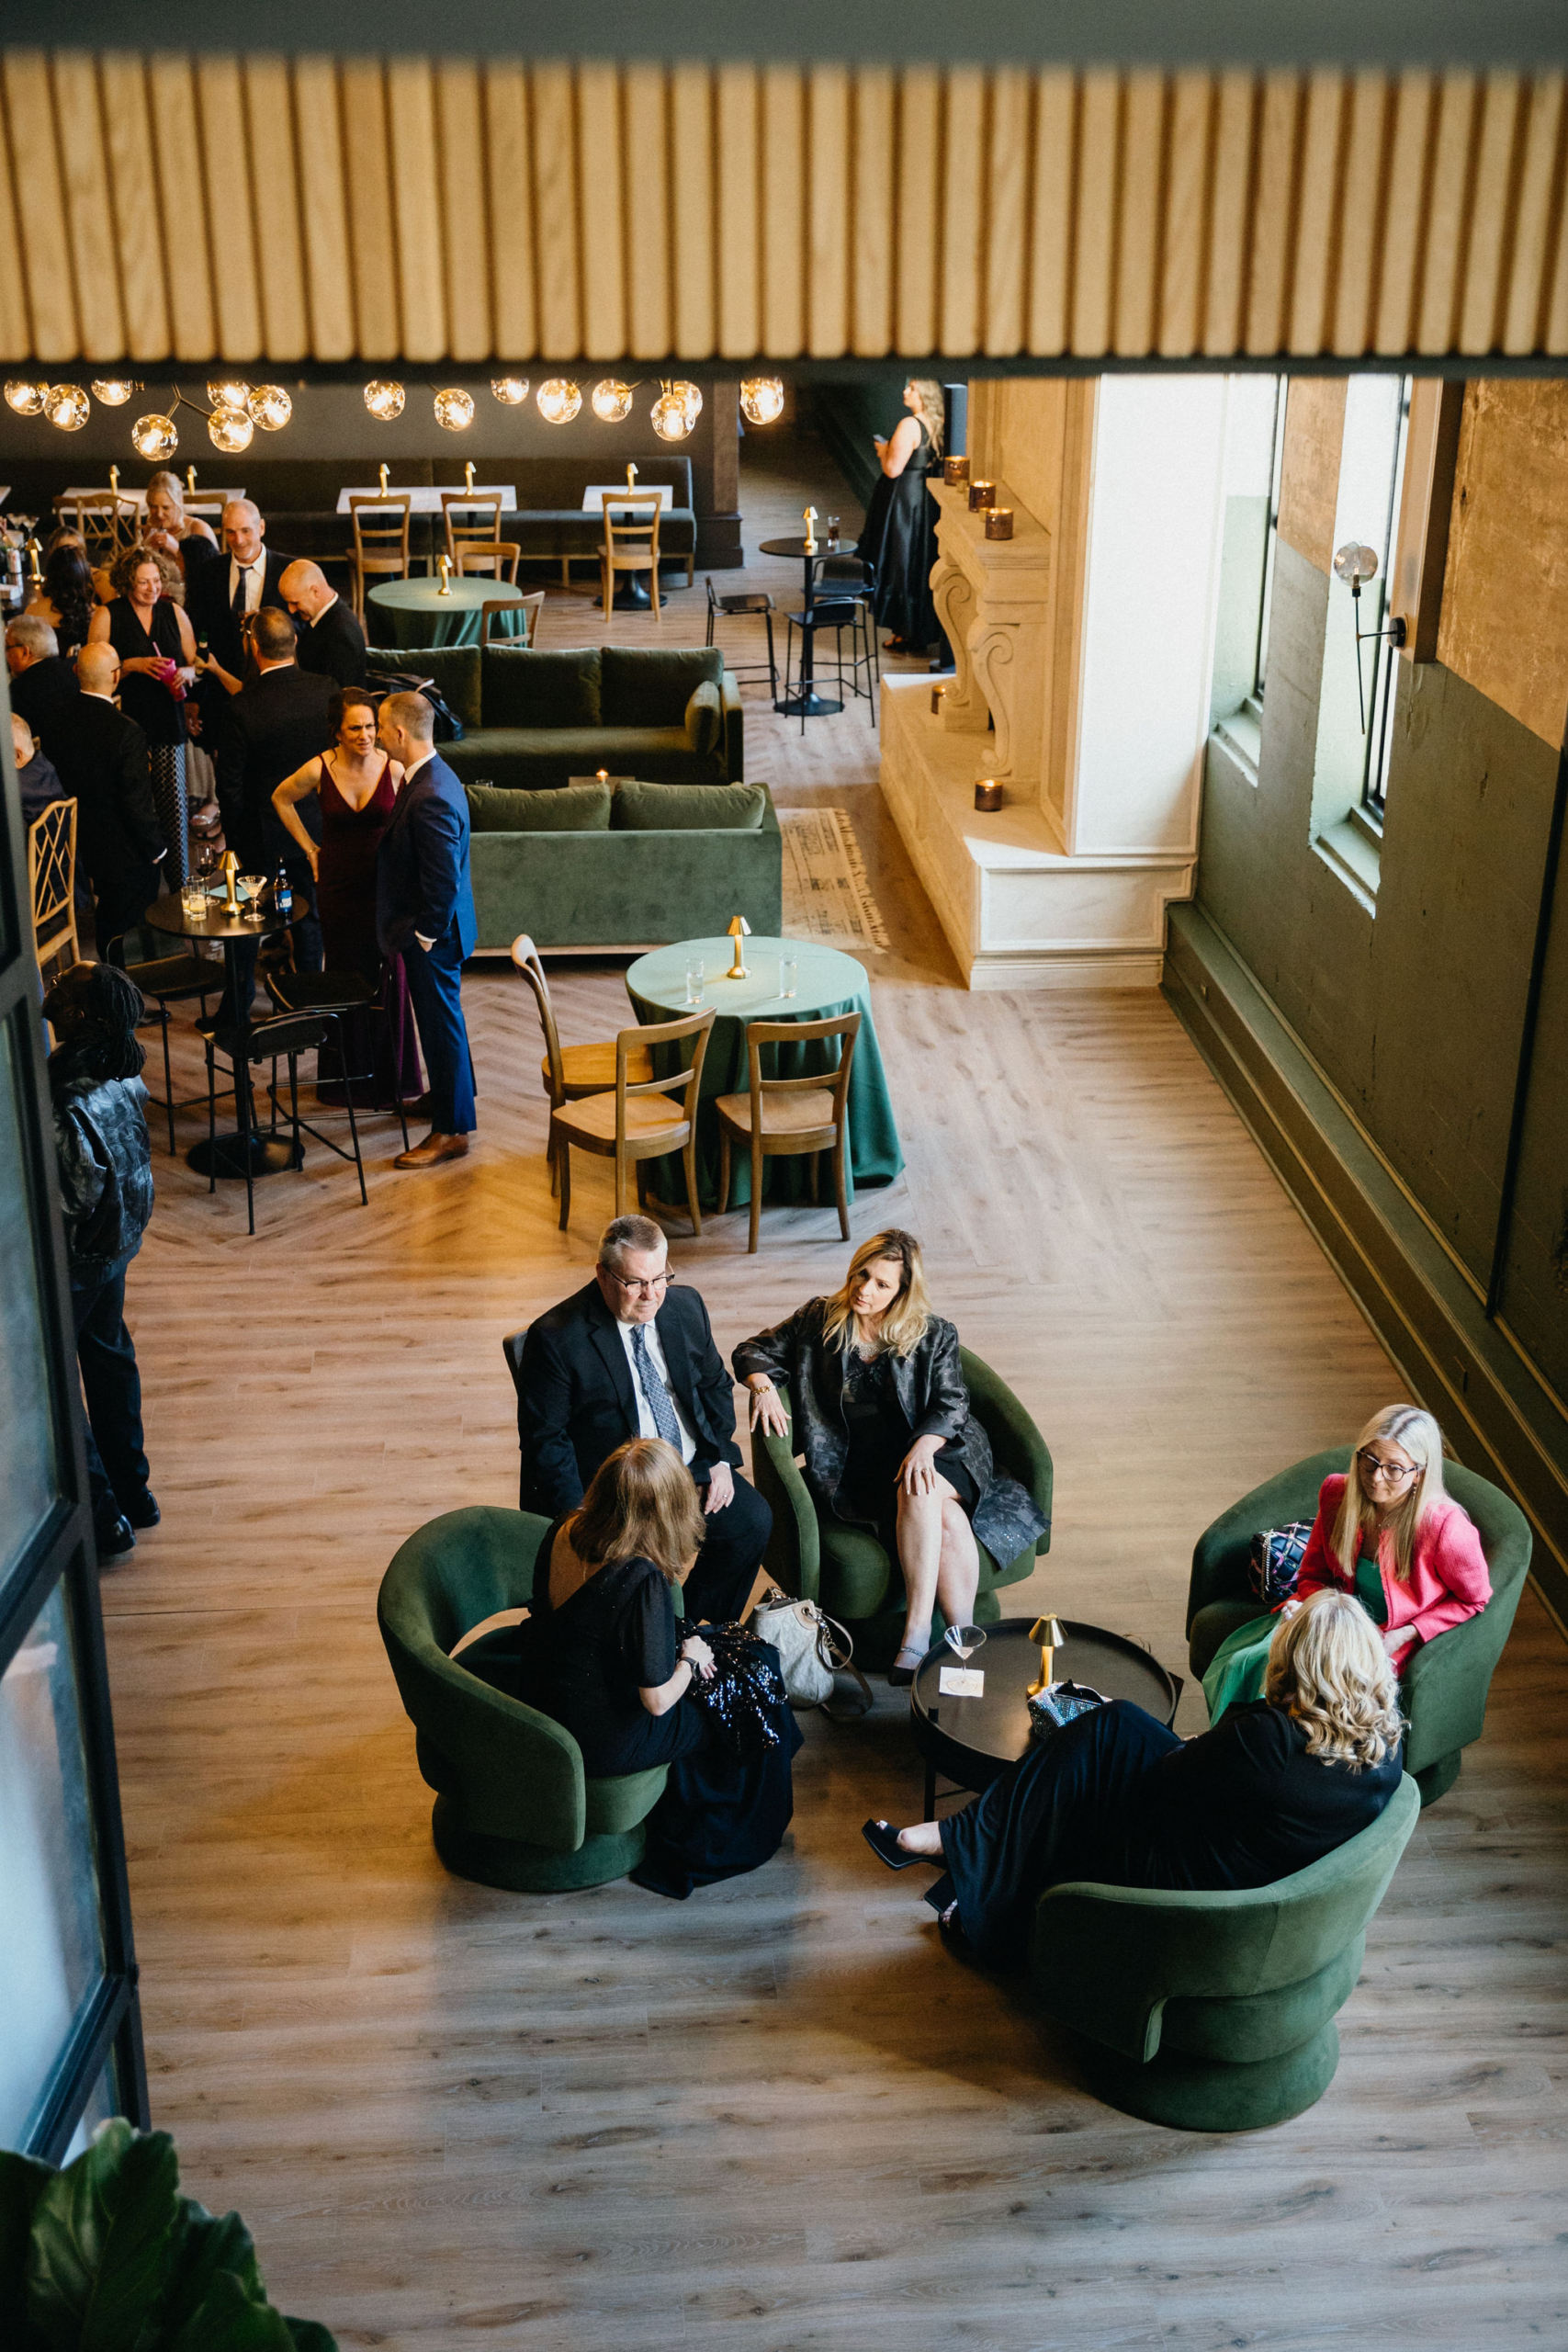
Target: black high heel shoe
(883, 1839)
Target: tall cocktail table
(969, 1741)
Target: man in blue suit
(425, 912)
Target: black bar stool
(336, 995)
(165, 980)
(279, 1037)
(723, 608)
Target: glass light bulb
(269, 406)
(612, 401)
(559, 400)
(670, 419)
(113, 390)
(384, 400)
(26, 395)
(761, 399)
(690, 399)
(229, 392)
(67, 406)
(510, 390)
(230, 430)
(154, 438)
(454, 409)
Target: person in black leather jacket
(105, 1192)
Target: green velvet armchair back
(1445, 1685)
(505, 1770)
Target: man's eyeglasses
(650, 1289)
(1395, 1473)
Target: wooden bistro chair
(529, 607)
(780, 1117)
(480, 532)
(491, 559)
(638, 1122)
(106, 519)
(571, 1073)
(630, 547)
(380, 541)
(52, 878)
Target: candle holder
(954, 472)
(989, 795)
(998, 522)
(444, 565)
(981, 493)
(1047, 1632)
(739, 929)
(384, 477)
(937, 694)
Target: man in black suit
(100, 757)
(43, 685)
(633, 1355)
(224, 597)
(278, 722)
(425, 912)
(331, 643)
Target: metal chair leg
(211, 1117)
(168, 1074)
(352, 1123)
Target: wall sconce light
(1354, 563)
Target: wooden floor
(778, 2115)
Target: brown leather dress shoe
(434, 1147)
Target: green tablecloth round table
(416, 613)
(827, 984)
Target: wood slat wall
(250, 208)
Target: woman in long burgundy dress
(355, 787)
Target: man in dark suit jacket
(43, 685)
(224, 596)
(425, 912)
(273, 726)
(633, 1355)
(100, 757)
(331, 643)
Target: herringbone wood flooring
(779, 2116)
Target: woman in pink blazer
(1389, 1535)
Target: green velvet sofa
(1214, 2012)
(1443, 1689)
(845, 1570)
(513, 1807)
(532, 719)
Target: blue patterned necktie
(653, 1388)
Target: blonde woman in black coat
(881, 1414)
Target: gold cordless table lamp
(1047, 1632)
(738, 930)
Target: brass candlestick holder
(738, 930)
(231, 869)
(808, 517)
(631, 474)
(382, 471)
(444, 566)
(1047, 1632)
(468, 474)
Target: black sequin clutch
(1060, 1704)
(745, 1693)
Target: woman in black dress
(601, 1653)
(882, 1413)
(157, 668)
(1117, 1799)
(899, 536)
(67, 599)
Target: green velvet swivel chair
(845, 1570)
(1444, 1687)
(1214, 2012)
(513, 1806)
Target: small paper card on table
(962, 1682)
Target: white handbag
(813, 1649)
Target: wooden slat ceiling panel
(205, 209)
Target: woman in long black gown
(601, 1654)
(899, 535)
(1118, 1799)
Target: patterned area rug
(826, 895)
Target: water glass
(789, 973)
(193, 899)
(695, 978)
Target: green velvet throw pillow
(705, 718)
(573, 809)
(521, 688)
(689, 808)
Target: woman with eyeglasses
(1387, 1533)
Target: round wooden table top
(169, 915)
(971, 1740)
(824, 977)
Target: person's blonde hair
(931, 407)
(1357, 1526)
(903, 1325)
(1328, 1668)
(641, 1505)
(171, 485)
(128, 562)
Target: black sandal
(883, 1839)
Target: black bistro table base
(225, 1156)
(969, 1741)
(806, 702)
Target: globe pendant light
(510, 390)
(670, 419)
(68, 407)
(154, 438)
(690, 399)
(612, 401)
(454, 409)
(559, 400)
(231, 392)
(384, 400)
(26, 395)
(761, 399)
(269, 406)
(230, 430)
(113, 390)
